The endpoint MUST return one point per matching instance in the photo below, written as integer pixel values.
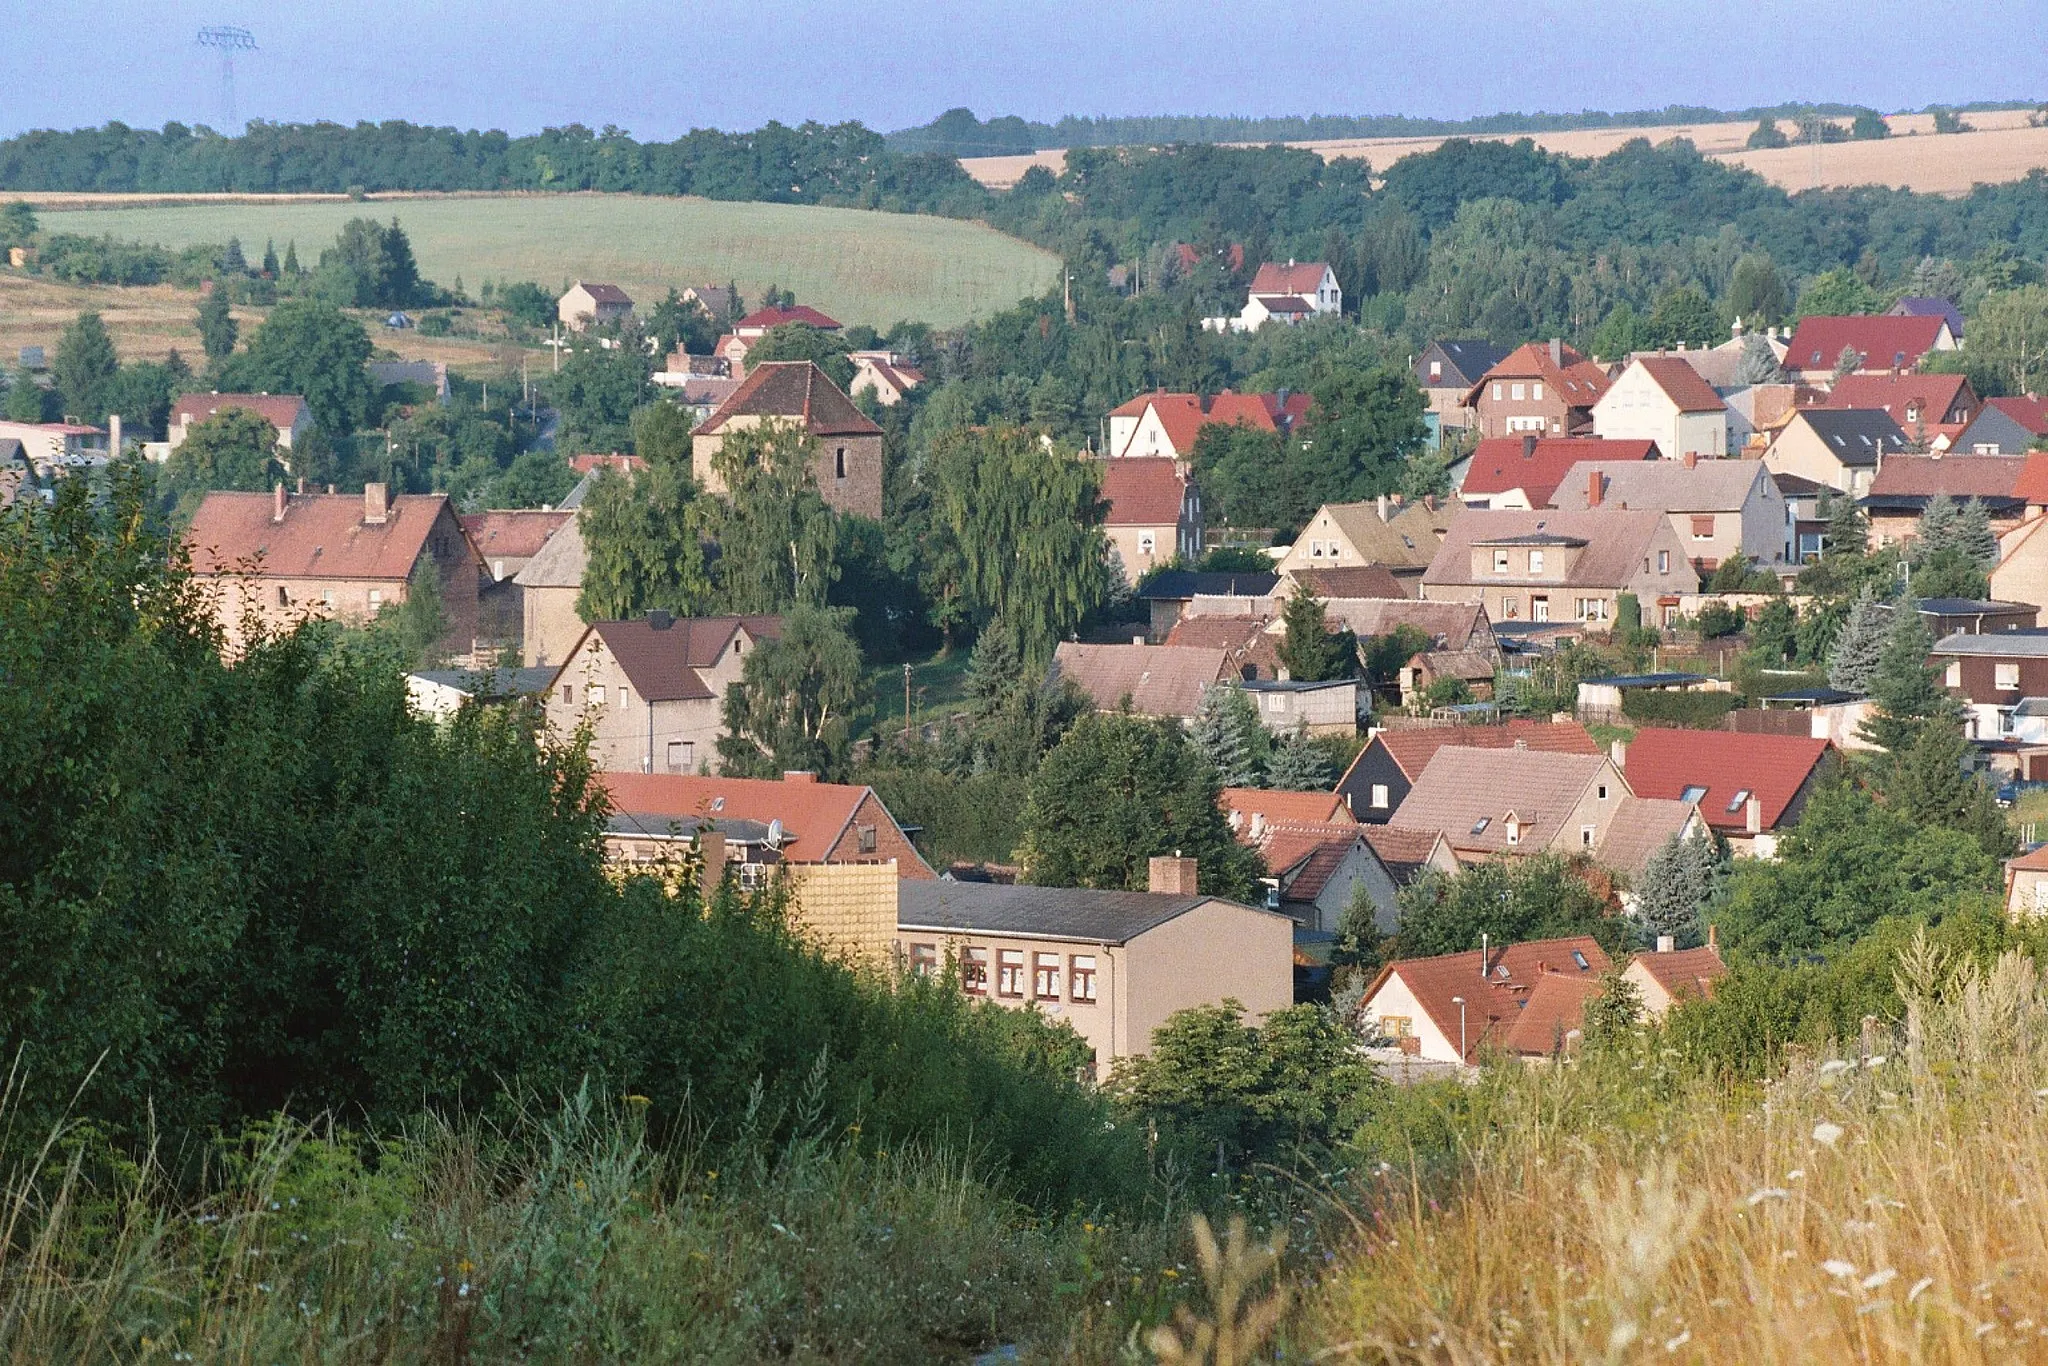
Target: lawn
(859, 266)
(938, 686)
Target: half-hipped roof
(1495, 989)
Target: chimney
(711, 847)
(1593, 489)
(1429, 501)
(1383, 507)
(1666, 944)
(277, 499)
(1258, 825)
(1528, 445)
(1753, 816)
(1714, 938)
(1617, 751)
(1172, 876)
(376, 503)
(301, 490)
(1692, 458)
(798, 775)
(1557, 352)
(659, 620)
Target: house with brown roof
(847, 445)
(1362, 583)
(287, 413)
(762, 321)
(1159, 680)
(1495, 803)
(1315, 869)
(1114, 965)
(1169, 424)
(1458, 1007)
(550, 585)
(1379, 779)
(584, 304)
(1669, 975)
(285, 557)
(766, 822)
(886, 375)
(1751, 788)
(1561, 566)
(652, 690)
(1840, 448)
(1154, 516)
(1664, 400)
(1402, 536)
(1250, 648)
(1288, 294)
(1525, 471)
(1407, 854)
(1719, 509)
(1252, 809)
(1906, 484)
(1546, 389)
(507, 540)
(1880, 343)
(1931, 409)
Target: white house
(1663, 399)
(1289, 294)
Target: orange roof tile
(1502, 463)
(1143, 490)
(1496, 991)
(279, 410)
(1730, 765)
(1554, 1010)
(1882, 342)
(1682, 384)
(1277, 804)
(323, 535)
(1274, 278)
(814, 814)
(1685, 972)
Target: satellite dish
(775, 832)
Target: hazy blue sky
(660, 69)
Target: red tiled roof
(802, 314)
(1280, 805)
(814, 814)
(662, 663)
(1253, 410)
(2033, 480)
(1494, 996)
(1664, 763)
(517, 533)
(1401, 850)
(1577, 380)
(1932, 395)
(1682, 384)
(322, 536)
(1413, 749)
(1958, 476)
(1274, 278)
(1499, 464)
(1686, 972)
(614, 460)
(1882, 342)
(1312, 850)
(1160, 680)
(1182, 416)
(2029, 412)
(798, 391)
(1244, 641)
(1143, 491)
(1554, 1010)
(279, 410)
(1353, 581)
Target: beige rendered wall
(1095, 1022)
(552, 626)
(1217, 950)
(623, 726)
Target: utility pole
(906, 704)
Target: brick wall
(889, 840)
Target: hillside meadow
(860, 266)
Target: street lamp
(1459, 1002)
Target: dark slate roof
(2011, 644)
(1531, 538)
(1646, 680)
(1853, 435)
(1964, 607)
(1038, 912)
(1469, 359)
(1823, 696)
(654, 826)
(1179, 585)
(491, 682)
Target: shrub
(1691, 710)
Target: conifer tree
(270, 257)
(1938, 523)
(1932, 783)
(1310, 651)
(1973, 534)
(291, 257)
(1299, 764)
(1852, 663)
(232, 261)
(1907, 695)
(1677, 884)
(1226, 730)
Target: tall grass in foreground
(567, 1241)
(1888, 1204)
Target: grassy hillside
(859, 266)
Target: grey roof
(1966, 607)
(1529, 538)
(1040, 912)
(2030, 644)
(1295, 684)
(1664, 680)
(490, 682)
(560, 563)
(1181, 585)
(573, 500)
(1824, 696)
(1993, 427)
(2031, 706)
(1797, 485)
(653, 826)
(1469, 359)
(1931, 306)
(1854, 436)
(1665, 485)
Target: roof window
(1692, 793)
(1579, 957)
(1479, 826)
(1736, 802)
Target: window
(625, 696)
(1081, 979)
(1738, 801)
(1146, 542)
(1913, 410)
(1539, 609)
(1379, 796)
(327, 598)
(1514, 832)
(1663, 562)
(1671, 616)
(2005, 676)
(1500, 561)
(735, 646)
(682, 756)
(1517, 390)
(1010, 973)
(376, 598)
(1579, 957)
(1479, 826)
(497, 569)
(1536, 392)
(596, 694)
(1045, 976)
(1692, 793)
(1397, 1026)
(839, 463)
(283, 598)
(569, 693)
(1510, 608)
(1602, 791)
(1952, 677)
(1496, 392)
(866, 834)
(924, 960)
(1703, 528)
(974, 971)
(1436, 369)
(1586, 833)
(1535, 562)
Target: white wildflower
(1673, 1344)
(1878, 1279)
(1828, 1133)
(1834, 1067)
(1838, 1268)
(1874, 1060)
(1858, 1226)
(1768, 1193)
(1796, 1174)
(1919, 1288)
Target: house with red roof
(1881, 344)
(287, 413)
(1456, 1008)
(1524, 471)
(1155, 513)
(1669, 974)
(1315, 869)
(888, 376)
(1548, 389)
(1664, 400)
(765, 822)
(589, 462)
(1751, 788)
(846, 443)
(2004, 426)
(1293, 293)
(1933, 410)
(762, 321)
(652, 690)
(1164, 424)
(288, 557)
(1906, 484)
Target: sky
(658, 70)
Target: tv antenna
(227, 40)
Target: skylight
(1579, 957)
(1735, 803)
(1479, 826)
(1692, 794)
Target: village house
(1114, 965)
(1719, 509)
(1250, 649)
(847, 456)
(285, 557)
(54, 448)
(1663, 399)
(765, 822)
(1721, 366)
(715, 301)
(584, 304)
(1932, 410)
(441, 693)
(2004, 426)
(886, 375)
(1751, 788)
(1546, 389)
(1315, 870)
(1335, 706)
(762, 321)
(1403, 537)
(550, 585)
(1880, 343)
(1170, 592)
(287, 413)
(1169, 424)
(1840, 448)
(1448, 371)
(652, 690)
(1906, 484)
(1159, 680)
(1561, 566)
(2026, 885)
(1669, 974)
(507, 540)
(1524, 471)
(1457, 1007)
(1991, 674)
(1288, 294)
(1379, 779)
(1154, 516)
(1930, 306)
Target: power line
(227, 40)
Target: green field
(859, 266)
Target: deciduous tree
(794, 701)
